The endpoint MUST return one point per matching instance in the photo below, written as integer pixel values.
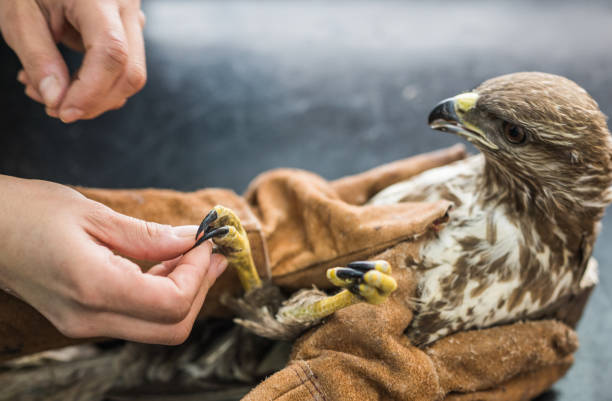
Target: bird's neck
(540, 204)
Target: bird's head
(545, 141)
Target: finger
(164, 268)
(52, 112)
(72, 38)
(33, 94)
(136, 73)
(119, 105)
(28, 34)
(105, 60)
(142, 19)
(217, 261)
(114, 325)
(195, 267)
(82, 323)
(82, 319)
(128, 291)
(137, 238)
(23, 77)
(29, 90)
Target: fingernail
(50, 90)
(185, 231)
(51, 112)
(21, 77)
(71, 115)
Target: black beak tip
(445, 110)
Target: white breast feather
(469, 219)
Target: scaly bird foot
(224, 228)
(368, 281)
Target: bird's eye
(514, 134)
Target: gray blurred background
(336, 87)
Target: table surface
(239, 87)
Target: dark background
(336, 87)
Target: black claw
(347, 273)
(198, 243)
(219, 232)
(362, 266)
(210, 217)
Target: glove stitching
(313, 378)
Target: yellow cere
(465, 101)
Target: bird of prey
(526, 211)
(519, 237)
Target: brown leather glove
(283, 213)
(298, 226)
(362, 354)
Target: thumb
(27, 32)
(140, 239)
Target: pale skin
(57, 254)
(61, 252)
(109, 32)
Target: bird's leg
(368, 281)
(224, 228)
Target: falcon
(526, 213)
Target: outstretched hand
(109, 32)
(60, 252)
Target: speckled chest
(471, 273)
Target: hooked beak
(448, 116)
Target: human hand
(108, 31)
(57, 254)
